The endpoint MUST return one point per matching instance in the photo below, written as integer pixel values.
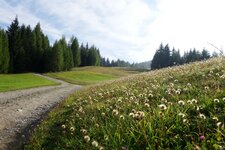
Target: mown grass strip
(91, 75)
(10, 82)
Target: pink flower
(124, 148)
(202, 137)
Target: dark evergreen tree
(175, 58)
(84, 54)
(67, 54)
(14, 42)
(76, 51)
(205, 54)
(4, 52)
(38, 51)
(56, 57)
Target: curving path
(21, 110)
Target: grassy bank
(9, 82)
(174, 108)
(91, 75)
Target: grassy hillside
(9, 82)
(91, 75)
(173, 108)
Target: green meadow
(9, 82)
(91, 75)
(181, 107)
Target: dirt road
(21, 110)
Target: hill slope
(174, 108)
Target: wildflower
(206, 88)
(124, 148)
(189, 84)
(83, 131)
(215, 118)
(150, 95)
(94, 143)
(181, 102)
(106, 137)
(202, 137)
(141, 114)
(121, 117)
(189, 102)
(71, 129)
(101, 148)
(131, 114)
(218, 124)
(63, 126)
(170, 103)
(182, 115)
(147, 105)
(185, 120)
(224, 99)
(86, 138)
(97, 125)
(202, 116)
(178, 91)
(103, 114)
(162, 107)
(164, 100)
(115, 112)
(216, 100)
(194, 101)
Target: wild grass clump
(174, 108)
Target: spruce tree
(4, 52)
(76, 52)
(14, 42)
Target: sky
(130, 30)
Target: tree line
(23, 49)
(164, 57)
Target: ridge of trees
(23, 49)
(164, 57)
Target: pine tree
(84, 54)
(14, 42)
(76, 51)
(56, 57)
(4, 52)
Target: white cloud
(126, 29)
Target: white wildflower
(162, 107)
(202, 116)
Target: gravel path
(21, 110)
